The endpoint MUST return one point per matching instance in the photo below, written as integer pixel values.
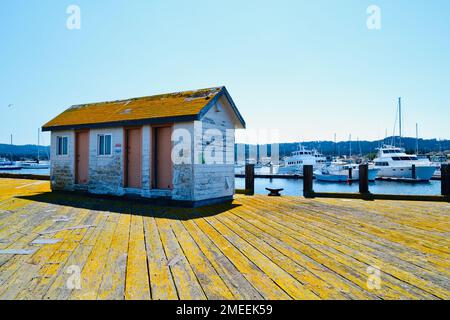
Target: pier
(256, 247)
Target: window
(62, 148)
(104, 144)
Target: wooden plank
(59, 288)
(113, 282)
(162, 284)
(241, 288)
(137, 279)
(409, 280)
(263, 283)
(93, 270)
(347, 264)
(187, 285)
(309, 280)
(212, 284)
(283, 279)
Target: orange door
(133, 158)
(81, 157)
(163, 157)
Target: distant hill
(362, 147)
(326, 147)
(28, 151)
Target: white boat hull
(344, 176)
(423, 173)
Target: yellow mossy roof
(177, 105)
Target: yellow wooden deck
(256, 248)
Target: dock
(72, 246)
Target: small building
(177, 146)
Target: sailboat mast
(417, 138)
(400, 119)
(38, 147)
(350, 147)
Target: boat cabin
(177, 147)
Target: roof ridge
(75, 106)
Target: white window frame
(98, 145)
(62, 154)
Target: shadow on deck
(128, 206)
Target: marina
(254, 248)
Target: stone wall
(193, 178)
(62, 174)
(106, 171)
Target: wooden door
(81, 157)
(133, 157)
(163, 157)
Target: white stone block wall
(62, 173)
(106, 171)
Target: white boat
(294, 163)
(8, 165)
(34, 165)
(393, 162)
(340, 172)
(437, 161)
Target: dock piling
(350, 174)
(414, 172)
(249, 179)
(364, 179)
(445, 180)
(308, 174)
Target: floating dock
(258, 247)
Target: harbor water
(294, 187)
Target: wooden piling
(308, 175)
(250, 179)
(350, 174)
(364, 178)
(445, 180)
(414, 172)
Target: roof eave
(122, 123)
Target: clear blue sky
(308, 68)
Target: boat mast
(417, 138)
(38, 147)
(400, 119)
(350, 147)
(10, 154)
(335, 145)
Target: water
(41, 172)
(294, 187)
